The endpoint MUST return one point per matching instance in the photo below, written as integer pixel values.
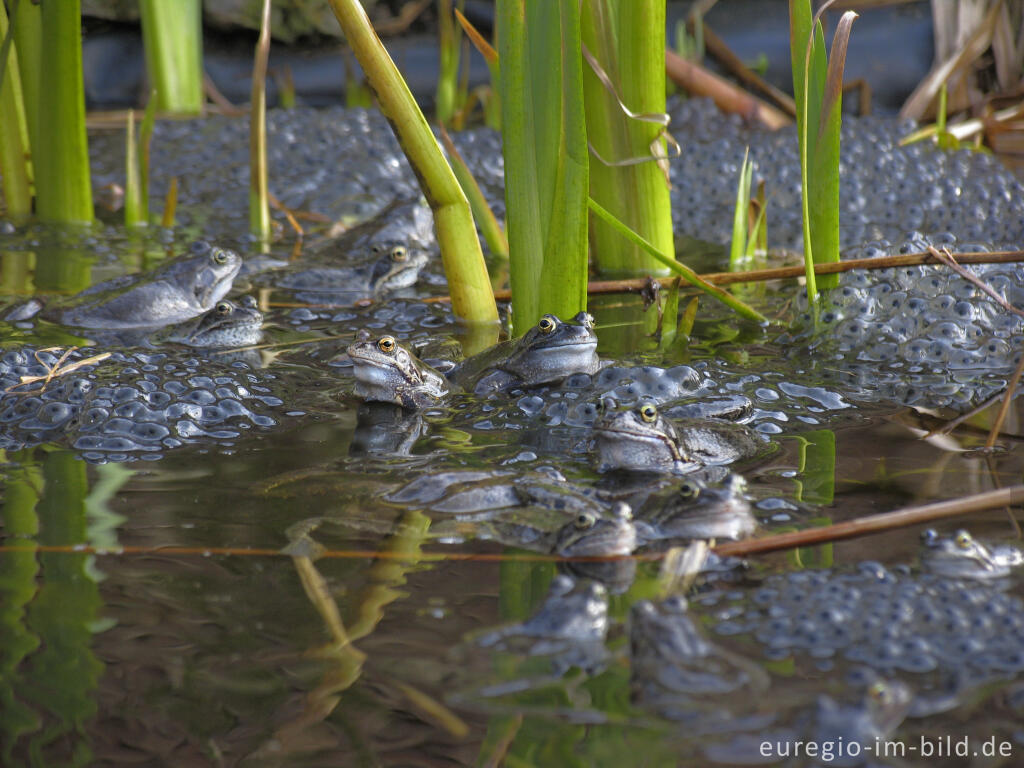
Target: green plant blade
(546, 164)
(145, 140)
(259, 192)
(63, 184)
(737, 249)
(15, 148)
(824, 158)
(680, 269)
(493, 234)
(172, 34)
(133, 216)
(470, 289)
(626, 41)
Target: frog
(670, 653)
(591, 535)
(387, 372)
(173, 293)
(391, 267)
(641, 439)
(549, 352)
(569, 628)
(961, 556)
(229, 324)
(692, 510)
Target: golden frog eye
(223, 307)
(689, 490)
(648, 413)
(878, 691)
(963, 539)
(399, 254)
(546, 324)
(386, 344)
(585, 520)
(219, 256)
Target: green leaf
(546, 163)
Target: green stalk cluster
(627, 40)
(818, 88)
(546, 163)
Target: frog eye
(399, 254)
(547, 324)
(223, 308)
(648, 413)
(689, 490)
(219, 256)
(963, 539)
(879, 691)
(584, 520)
(386, 344)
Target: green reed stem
(172, 33)
(490, 228)
(133, 213)
(472, 299)
(627, 38)
(145, 140)
(687, 274)
(63, 185)
(449, 41)
(259, 197)
(15, 150)
(546, 163)
(28, 32)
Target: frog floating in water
(228, 324)
(641, 439)
(386, 372)
(961, 556)
(172, 293)
(549, 352)
(391, 268)
(695, 511)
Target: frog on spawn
(588, 535)
(391, 268)
(387, 372)
(229, 324)
(694, 511)
(173, 293)
(640, 439)
(961, 556)
(550, 351)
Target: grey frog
(641, 439)
(387, 372)
(173, 293)
(550, 351)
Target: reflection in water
(52, 692)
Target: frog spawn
(131, 406)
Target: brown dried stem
(864, 526)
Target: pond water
(225, 559)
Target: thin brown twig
(287, 214)
(636, 285)
(948, 259)
(864, 526)
(1011, 388)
